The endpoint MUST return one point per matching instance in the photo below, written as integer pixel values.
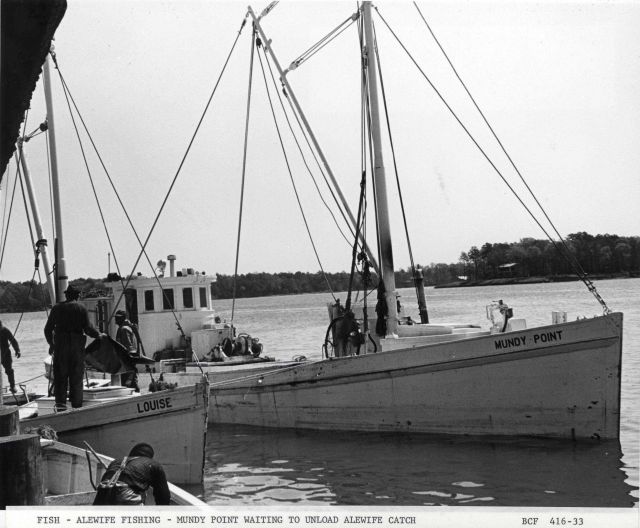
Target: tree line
(604, 255)
(609, 255)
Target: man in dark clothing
(6, 337)
(65, 331)
(127, 338)
(140, 473)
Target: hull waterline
(174, 422)
(560, 381)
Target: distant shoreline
(533, 280)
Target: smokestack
(171, 259)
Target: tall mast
(384, 229)
(61, 266)
(312, 137)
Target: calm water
(251, 466)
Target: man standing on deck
(6, 337)
(127, 338)
(65, 332)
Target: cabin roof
(27, 27)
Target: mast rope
(322, 172)
(395, 166)
(36, 245)
(6, 215)
(172, 185)
(244, 174)
(584, 279)
(86, 163)
(300, 150)
(572, 259)
(286, 158)
(179, 169)
(69, 97)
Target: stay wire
(13, 193)
(86, 164)
(244, 172)
(324, 177)
(485, 155)
(568, 255)
(6, 214)
(69, 96)
(179, 169)
(353, 18)
(302, 156)
(35, 245)
(286, 159)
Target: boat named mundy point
(560, 380)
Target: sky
(556, 80)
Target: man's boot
(12, 381)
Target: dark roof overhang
(27, 28)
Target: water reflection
(248, 465)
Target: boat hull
(559, 381)
(173, 421)
(69, 477)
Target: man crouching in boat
(65, 331)
(139, 472)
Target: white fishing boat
(557, 380)
(174, 421)
(113, 419)
(71, 474)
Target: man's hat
(142, 449)
(120, 313)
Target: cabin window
(167, 299)
(203, 297)
(148, 301)
(187, 297)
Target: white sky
(558, 82)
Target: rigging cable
(172, 185)
(36, 246)
(13, 194)
(244, 173)
(286, 159)
(305, 134)
(568, 255)
(70, 97)
(86, 164)
(395, 168)
(324, 176)
(495, 168)
(184, 158)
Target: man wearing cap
(141, 471)
(127, 338)
(6, 337)
(65, 331)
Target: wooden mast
(61, 266)
(384, 229)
